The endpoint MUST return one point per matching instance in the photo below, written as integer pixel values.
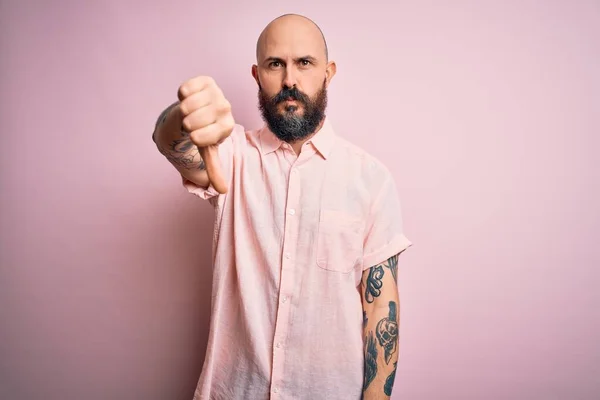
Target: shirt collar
(323, 140)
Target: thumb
(210, 155)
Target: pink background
(486, 112)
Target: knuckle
(182, 92)
(226, 127)
(201, 138)
(207, 81)
(186, 124)
(225, 105)
(183, 108)
(228, 123)
(194, 137)
(198, 137)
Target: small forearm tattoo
(392, 264)
(370, 360)
(181, 152)
(374, 283)
(387, 332)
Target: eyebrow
(308, 58)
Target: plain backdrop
(486, 112)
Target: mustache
(290, 93)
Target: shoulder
(370, 170)
(240, 132)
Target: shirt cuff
(205, 194)
(396, 246)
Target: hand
(208, 120)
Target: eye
(304, 62)
(274, 64)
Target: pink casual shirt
(292, 237)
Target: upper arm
(384, 234)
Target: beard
(288, 125)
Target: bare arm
(175, 144)
(381, 314)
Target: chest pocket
(339, 241)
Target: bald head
(291, 31)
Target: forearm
(381, 311)
(175, 144)
(381, 354)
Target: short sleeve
(384, 231)
(226, 157)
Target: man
(307, 233)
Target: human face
(292, 74)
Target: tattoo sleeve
(380, 326)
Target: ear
(255, 74)
(330, 71)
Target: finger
(204, 121)
(210, 155)
(207, 136)
(193, 85)
(195, 102)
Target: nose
(289, 80)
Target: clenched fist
(208, 120)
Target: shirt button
(275, 390)
(278, 345)
(284, 299)
(288, 256)
(292, 211)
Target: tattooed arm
(381, 318)
(175, 144)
